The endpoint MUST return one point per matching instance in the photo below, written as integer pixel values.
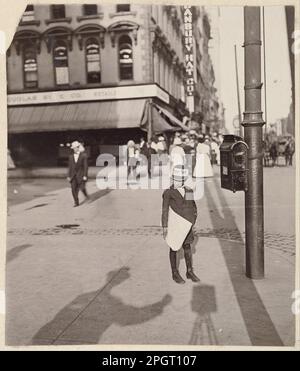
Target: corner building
(92, 72)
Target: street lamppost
(253, 133)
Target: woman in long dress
(131, 159)
(177, 156)
(203, 168)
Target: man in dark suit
(146, 151)
(78, 170)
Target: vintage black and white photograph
(151, 174)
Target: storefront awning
(76, 116)
(159, 124)
(174, 121)
(158, 120)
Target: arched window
(60, 60)
(93, 66)
(125, 58)
(30, 66)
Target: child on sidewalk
(179, 214)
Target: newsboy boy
(179, 214)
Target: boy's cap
(180, 173)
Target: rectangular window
(60, 56)
(123, 8)
(31, 80)
(30, 67)
(28, 15)
(31, 77)
(90, 9)
(93, 62)
(125, 58)
(58, 11)
(126, 72)
(62, 75)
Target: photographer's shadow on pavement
(204, 304)
(86, 318)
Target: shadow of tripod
(204, 303)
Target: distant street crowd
(205, 148)
(277, 148)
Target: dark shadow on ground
(15, 252)
(204, 304)
(87, 317)
(260, 327)
(98, 194)
(36, 206)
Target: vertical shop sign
(189, 49)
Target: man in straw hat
(179, 214)
(78, 169)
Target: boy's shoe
(177, 278)
(191, 275)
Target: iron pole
(253, 133)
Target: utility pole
(149, 132)
(290, 23)
(238, 92)
(152, 73)
(253, 134)
(265, 71)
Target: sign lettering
(98, 94)
(189, 52)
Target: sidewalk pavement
(99, 274)
(46, 172)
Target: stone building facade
(89, 71)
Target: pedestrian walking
(177, 155)
(152, 148)
(203, 168)
(215, 152)
(292, 150)
(143, 147)
(289, 152)
(146, 152)
(179, 214)
(161, 148)
(78, 171)
(153, 144)
(192, 141)
(131, 159)
(274, 153)
(177, 139)
(187, 145)
(161, 145)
